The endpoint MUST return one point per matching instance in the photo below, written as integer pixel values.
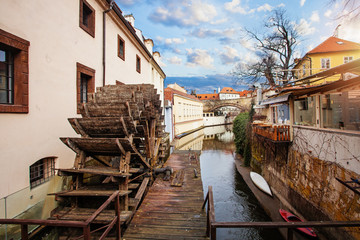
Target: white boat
(260, 182)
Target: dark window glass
(6, 76)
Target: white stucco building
(51, 55)
(187, 110)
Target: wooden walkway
(170, 212)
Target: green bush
(240, 130)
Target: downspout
(104, 38)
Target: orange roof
(206, 96)
(169, 93)
(228, 90)
(333, 44)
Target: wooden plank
(105, 171)
(171, 213)
(90, 193)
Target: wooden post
(290, 234)
(24, 232)
(118, 222)
(86, 231)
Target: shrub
(240, 130)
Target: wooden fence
(85, 225)
(273, 132)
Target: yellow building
(330, 53)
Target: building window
(85, 83)
(42, 171)
(341, 110)
(348, 59)
(87, 17)
(304, 111)
(325, 63)
(304, 70)
(138, 64)
(121, 48)
(6, 76)
(14, 74)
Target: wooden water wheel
(121, 134)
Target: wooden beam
(139, 154)
(120, 146)
(124, 126)
(79, 128)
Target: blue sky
(201, 42)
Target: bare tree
(350, 9)
(275, 49)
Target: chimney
(214, 91)
(156, 56)
(130, 18)
(149, 45)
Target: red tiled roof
(206, 96)
(169, 92)
(333, 44)
(228, 90)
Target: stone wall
(308, 184)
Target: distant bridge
(243, 104)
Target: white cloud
(220, 21)
(235, 6)
(205, 33)
(328, 13)
(264, 8)
(175, 41)
(315, 16)
(229, 55)
(281, 5)
(350, 31)
(302, 2)
(199, 57)
(184, 14)
(305, 28)
(175, 60)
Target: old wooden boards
(172, 212)
(120, 137)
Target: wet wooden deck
(170, 212)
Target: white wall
(56, 44)
(214, 120)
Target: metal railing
(212, 224)
(85, 225)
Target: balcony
(277, 133)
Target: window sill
(13, 108)
(330, 130)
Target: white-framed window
(325, 63)
(348, 59)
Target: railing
(85, 225)
(273, 132)
(212, 225)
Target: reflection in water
(234, 201)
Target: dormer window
(340, 43)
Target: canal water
(233, 200)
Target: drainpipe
(104, 38)
(5, 217)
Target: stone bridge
(243, 104)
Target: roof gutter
(104, 39)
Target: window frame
(327, 61)
(41, 171)
(20, 48)
(121, 40)
(90, 29)
(82, 69)
(138, 64)
(348, 59)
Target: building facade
(51, 57)
(187, 110)
(330, 53)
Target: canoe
(260, 182)
(289, 217)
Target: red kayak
(289, 217)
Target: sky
(201, 41)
